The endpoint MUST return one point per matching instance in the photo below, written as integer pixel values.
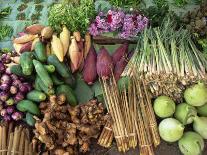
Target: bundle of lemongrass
(133, 118)
(167, 60)
(14, 140)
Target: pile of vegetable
(122, 24)
(13, 88)
(168, 60)
(69, 129)
(192, 111)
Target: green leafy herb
(125, 3)
(21, 16)
(75, 16)
(38, 1)
(25, 1)
(5, 50)
(5, 12)
(102, 6)
(181, 3)
(38, 8)
(5, 31)
(35, 16)
(22, 7)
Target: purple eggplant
(1, 107)
(4, 96)
(2, 67)
(29, 86)
(17, 116)
(23, 89)
(10, 102)
(16, 83)
(7, 118)
(10, 110)
(14, 77)
(19, 96)
(13, 90)
(5, 79)
(21, 79)
(4, 87)
(8, 71)
(3, 112)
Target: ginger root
(64, 128)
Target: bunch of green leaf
(181, 3)
(160, 3)
(5, 31)
(125, 3)
(5, 12)
(76, 17)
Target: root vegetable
(77, 36)
(34, 29)
(24, 39)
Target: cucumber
(59, 66)
(43, 74)
(48, 91)
(16, 69)
(68, 92)
(50, 68)
(36, 96)
(70, 81)
(26, 63)
(36, 84)
(28, 106)
(56, 80)
(40, 52)
(29, 119)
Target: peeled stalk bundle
(133, 117)
(168, 60)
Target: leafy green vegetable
(21, 16)
(22, 7)
(38, 8)
(5, 12)
(102, 6)
(75, 16)
(125, 3)
(180, 3)
(5, 31)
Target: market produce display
(118, 74)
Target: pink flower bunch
(127, 25)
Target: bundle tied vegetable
(168, 60)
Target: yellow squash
(65, 39)
(57, 47)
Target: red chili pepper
(109, 18)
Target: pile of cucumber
(50, 77)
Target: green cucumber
(26, 63)
(36, 84)
(68, 92)
(60, 67)
(43, 74)
(16, 69)
(50, 68)
(40, 52)
(56, 80)
(36, 96)
(28, 106)
(40, 84)
(29, 119)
